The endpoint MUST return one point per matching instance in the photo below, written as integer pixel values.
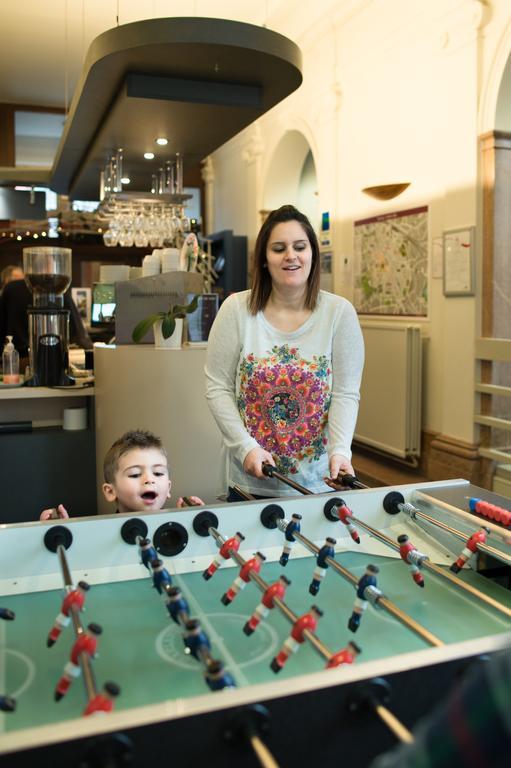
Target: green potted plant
(168, 326)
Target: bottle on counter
(10, 363)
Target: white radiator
(389, 418)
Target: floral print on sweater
(283, 402)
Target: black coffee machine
(48, 275)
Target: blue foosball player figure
(177, 606)
(160, 575)
(196, 641)
(147, 552)
(7, 614)
(7, 704)
(217, 678)
(292, 527)
(327, 550)
(368, 580)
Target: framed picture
(459, 262)
(82, 299)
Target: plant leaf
(180, 310)
(168, 326)
(144, 326)
(192, 306)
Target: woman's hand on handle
(338, 463)
(254, 460)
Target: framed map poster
(391, 263)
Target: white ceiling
(44, 42)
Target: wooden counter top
(38, 393)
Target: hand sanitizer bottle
(10, 363)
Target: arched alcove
(291, 177)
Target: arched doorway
(291, 177)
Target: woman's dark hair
(261, 280)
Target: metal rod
(246, 495)
(399, 730)
(319, 646)
(85, 663)
(263, 754)
(413, 512)
(502, 533)
(428, 565)
(382, 601)
(270, 471)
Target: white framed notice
(459, 263)
(83, 300)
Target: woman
(284, 366)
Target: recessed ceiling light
(125, 180)
(162, 141)
(149, 155)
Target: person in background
(136, 476)
(284, 366)
(15, 300)
(10, 273)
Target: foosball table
(298, 628)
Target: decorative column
(208, 177)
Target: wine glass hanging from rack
(156, 218)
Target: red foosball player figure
(251, 566)
(470, 548)
(277, 589)
(224, 553)
(347, 656)
(327, 550)
(76, 598)
(345, 514)
(308, 621)
(86, 643)
(103, 701)
(292, 527)
(412, 556)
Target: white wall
(391, 93)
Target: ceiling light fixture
(162, 141)
(125, 180)
(149, 155)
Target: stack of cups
(151, 264)
(170, 259)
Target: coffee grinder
(48, 275)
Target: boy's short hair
(135, 438)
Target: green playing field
(141, 648)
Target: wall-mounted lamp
(386, 191)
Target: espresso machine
(48, 275)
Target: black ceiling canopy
(196, 81)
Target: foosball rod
(292, 617)
(414, 512)
(382, 601)
(468, 517)
(85, 664)
(269, 470)
(428, 565)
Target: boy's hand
(60, 513)
(196, 501)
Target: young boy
(136, 476)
